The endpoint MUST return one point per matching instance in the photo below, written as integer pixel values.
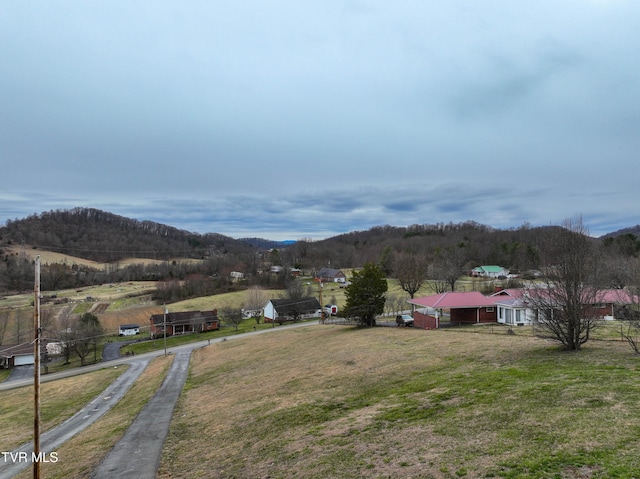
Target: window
(490, 309)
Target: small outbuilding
(129, 329)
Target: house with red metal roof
(470, 307)
(507, 306)
(514, 307)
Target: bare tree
(87, 336)
(57, 276)
(231, 316)
(47, 317)
(631, 312)
(410, 272)
(436, 281)
(445, 269)
(564, 300)
(4, 323)
(66, 327)
(391, 303)
(23, 325)
(255, 300)
(295, 290)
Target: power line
(68, 250)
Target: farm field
(54, 257)
(119, 294)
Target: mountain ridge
(103, 236)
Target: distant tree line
(436, 253)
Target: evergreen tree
(366, 294)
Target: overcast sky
(298, 119)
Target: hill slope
(327, 401)
(105, 237)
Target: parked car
(404, 320)
(331, 309)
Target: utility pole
(36, 371)
(164, 329)
(321, 305)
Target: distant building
(129, 329)
(16, 355)
(490, 272)
(330, 275)
(289, 309)
(236, 276)
(183, 323)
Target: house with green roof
(489, 271)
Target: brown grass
(110, 321)
(59, 400)
(332, 401)
(51, 257)
(238, 380)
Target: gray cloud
(311, 119)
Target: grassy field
(339, 401)
(59, 401)
(336, 401)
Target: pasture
(338, 401)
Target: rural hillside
(109, 243)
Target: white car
(404, 320)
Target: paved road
(21, 373)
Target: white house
(251, 313)
(514, 312)
(514, 308)
(236, 276)
(490, 272)
(304, 308)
